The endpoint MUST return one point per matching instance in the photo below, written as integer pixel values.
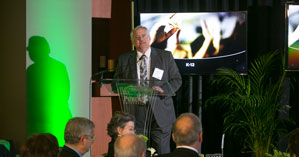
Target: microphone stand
(222, 144)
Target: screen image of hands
(196, 35)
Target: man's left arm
(174, 76)
(171, 75)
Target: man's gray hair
(135, 148)
(137, 27)
(189, 133)
(76, 128)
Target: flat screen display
(201, 42)
(293, 37)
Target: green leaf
(252, 101)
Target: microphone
(99, 73)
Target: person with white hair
(130, 145)
(187, 135)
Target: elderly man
(159, 67)
(187, 134)
(130, 145)
(78, 136)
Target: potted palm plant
(252, 101)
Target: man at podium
(149, 64)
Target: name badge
(158, 73)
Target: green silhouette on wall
(48, 91)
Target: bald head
(129, 145)
(127, 141)
(187, 130)
(184, 124)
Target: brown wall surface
(111, 36)
(120, 28)
(100, 39)
(13, 71)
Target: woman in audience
(40, 145)
(120, 124)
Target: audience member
(130, 145)
(294, 143)
(187, 134)
(40, 145)
(120, 124)
(78, 136)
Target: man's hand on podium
(158, 89)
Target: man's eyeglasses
(138, 37)
(93, 137)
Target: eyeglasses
(138, 37)
(93, 137)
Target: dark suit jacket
(181, 152)
(127, 69)
(67, 152)
(110, 152)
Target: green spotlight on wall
(48, 91)
(59, 68)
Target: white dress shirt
(188, 147)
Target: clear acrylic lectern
(133, 96)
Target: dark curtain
(265, 33)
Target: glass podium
(137, 99)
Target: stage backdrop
(58, 63)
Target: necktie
(143, 71)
